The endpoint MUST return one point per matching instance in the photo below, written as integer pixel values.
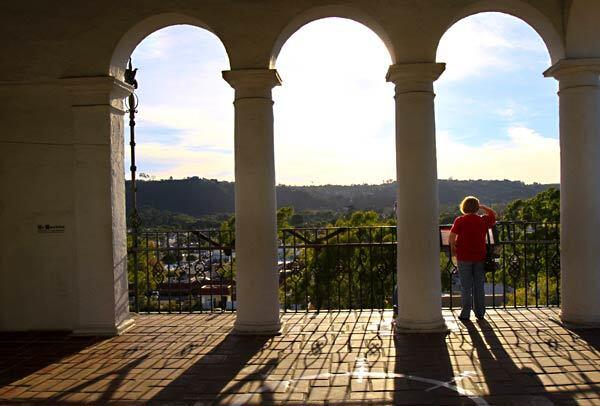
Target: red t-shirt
(471, 230)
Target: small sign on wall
(50, 228)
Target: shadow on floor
(116, 377)
(23, 354)
(211, 377)
(507, 383)
(584, 337)
(423, 369)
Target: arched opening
(335, 161)
(539, 22)
(183, 172)
(184, 124)
(497, 137)
(334, 109)
(328, 12)
(136, 34)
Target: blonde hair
(469, 204)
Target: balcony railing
(181, 271)
(527, 271)
(333, 268)
(337, 268)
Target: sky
(496, 115)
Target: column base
(263, 329)
(105, 331)
(411, 327)
(576, 322)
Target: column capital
(415, 77)
(573, 67)
(252, 83)
(575, 73)
(96, 90)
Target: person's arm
(491, 214)
(452, 242)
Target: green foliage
(532, 269)
(542, 290)
(165, 220)
(284, 214)
(449, 213)
(146, 262)
(363, 219)
(331, 269)
(543, 207)
(287, 217)
(228, 225)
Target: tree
(284, 214)
(147, 262)
(533, 269)
(543, 207)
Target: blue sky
(496, 115)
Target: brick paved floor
(520, 357)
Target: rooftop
(516, 356)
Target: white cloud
(526, 156)
(155, 46)
(195, 126)
(179, 161)
(485, 44)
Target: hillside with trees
(202, 203)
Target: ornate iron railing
(527, 271)
(182, 271)
(333, 268)
(337, 268)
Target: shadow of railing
(116, 378)
(214, 376)
(507, 382)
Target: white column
(419, 279)
(257, 281)
(579, 99)
(99, 200)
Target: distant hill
(199, 197)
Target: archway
(185, 117)
(333, 11)
(184, 127)
(136, 34)
(334, 136)
(183, 120)
(334, 102)
(549, 31)
(497, 119)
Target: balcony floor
(518, 356)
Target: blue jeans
(472, 277)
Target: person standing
(467, 244)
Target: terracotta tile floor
(519, 356)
